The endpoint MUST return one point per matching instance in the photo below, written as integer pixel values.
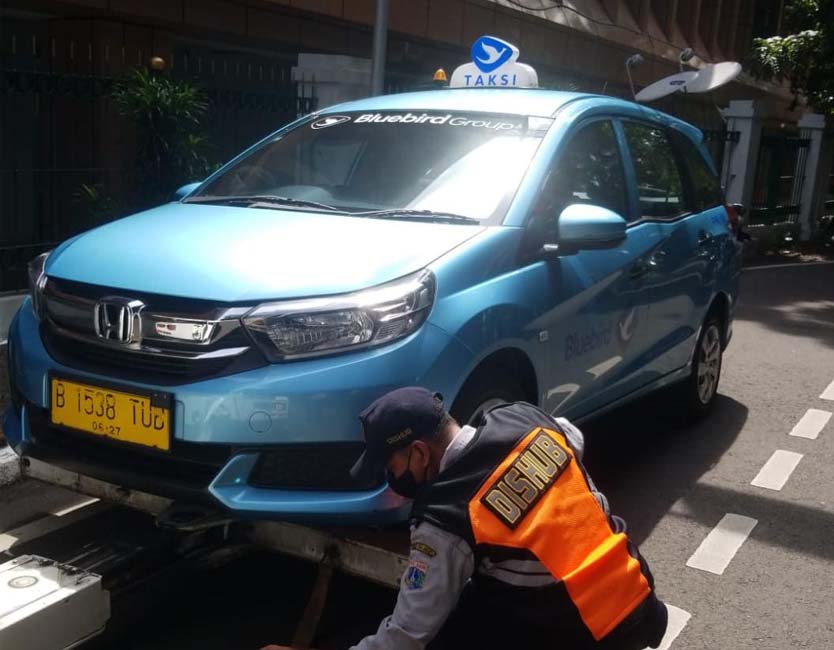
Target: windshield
(460, 164)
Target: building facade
(263, 62)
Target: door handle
(657, 257)
(704, 238)
(640, 269)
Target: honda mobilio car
(566, 249)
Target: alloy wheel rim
(709, 364)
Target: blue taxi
(492, 243)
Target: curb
(9, 467)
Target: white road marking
(722, 543)
(74, 507)
(678, 619)
(828, 393)
(777, 470)
(792, 265)
(811, 424)
(51, 523)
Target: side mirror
(581, 227)
(185, 190)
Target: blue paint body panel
(593, 336)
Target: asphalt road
(672, 484)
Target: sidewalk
(800, 253)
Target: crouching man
(512, 545)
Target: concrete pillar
(740, 158)
(812, 127)
(333, 78)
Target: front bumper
(224, 426)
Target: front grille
(145, 368)
(70, 337)
(188, 466)
(309, 467)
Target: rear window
(706, 188)
(660, 185)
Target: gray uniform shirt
(440, 564)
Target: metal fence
(780, 175)
(59, 130)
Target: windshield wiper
(427, 215)
(265, 200)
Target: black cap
(394, 421)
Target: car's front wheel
(701, 388)
(483, 392)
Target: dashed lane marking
(51, 522)
(723, 542)
(777, 470)
(828, 393)
(811, 424)
(76, 506)
(678, 619)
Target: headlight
(308, 328)
(37, 282)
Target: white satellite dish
(666, 86)
(714, 75)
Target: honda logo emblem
(117, 320)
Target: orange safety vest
(519, 488)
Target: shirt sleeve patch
(415, 574)
(425, 549)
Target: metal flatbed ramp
(378, 556)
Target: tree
(169, 119)
(804, 55)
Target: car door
(594, 328)
(686, 258)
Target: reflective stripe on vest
(538, 499)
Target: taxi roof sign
(494, 65)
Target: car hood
(235, 254)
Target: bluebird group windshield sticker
(477, 122)
(330, 120)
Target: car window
(588, 170)
(706, 187)
(659, 181)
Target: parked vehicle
(493, 244)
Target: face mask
(405, 484)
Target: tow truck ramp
(70, 596)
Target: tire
(699, 391)
(483, 391)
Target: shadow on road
(644, 459)
(796, 528)
(798, 301)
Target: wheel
(700, 389)
(482, 392)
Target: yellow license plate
(124, 416)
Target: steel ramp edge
(362, 559)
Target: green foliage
(804, 55)
(168, 116)
(98, 205)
